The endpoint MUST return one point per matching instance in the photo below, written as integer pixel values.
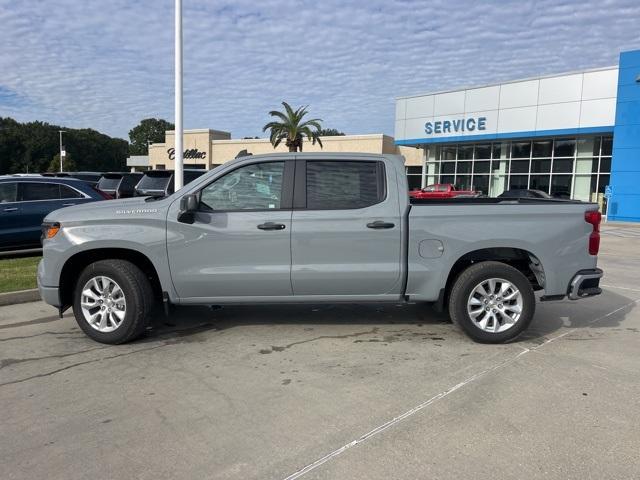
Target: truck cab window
(337, 185)
(253, 187)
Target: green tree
(292, 128)
(68, 165)
(149, 130)
(32, 146)
(331, 132)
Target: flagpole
(178, 178)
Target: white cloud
(106, 65)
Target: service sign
(459, 125)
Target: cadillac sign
(191, 153)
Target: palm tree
(292, 128)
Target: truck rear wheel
(492, 302)
(112, 301)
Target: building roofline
(495, 84)
(324, 138)
(199, 130)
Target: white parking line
(439, 396)
(622, 288)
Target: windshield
(109, 183)
(87, 177)
(155, 181)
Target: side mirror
(188, 208)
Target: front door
(239, 244)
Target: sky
(108, 64)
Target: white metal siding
(572, 101)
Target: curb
(21, 296)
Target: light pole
(62, 152)
(178, 96)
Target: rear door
(10, 220)
(346, 229)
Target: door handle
(11, 209)
(379, 225)
(272, 226)
(68, 204)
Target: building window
(483, 152)
(463, 182)
(563, 165)
(448, 167)
(448, 153)
(464, 167)
(541, 165)
(540, 182)
(520, 149)
(519, 166)
(542, 149)
(465, 152)
(481, 166)
(481, 184)
(561, 186)
(414, 176)
(519, 182)
(579, 166)
(564, 148)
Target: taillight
(594, 217)
(104, 195)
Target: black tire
(138, 296)
(467, 282)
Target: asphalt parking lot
(326, 392)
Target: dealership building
(574, 135)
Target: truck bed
(548, 229)
(491, 201)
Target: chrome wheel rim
(495, 305)
(103, 304)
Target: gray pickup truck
(320, 227)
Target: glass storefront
(576, 168)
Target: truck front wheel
(112, 301)
(492, 302)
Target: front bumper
(50, 295)
(585, 283)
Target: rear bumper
(585, 283)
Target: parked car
(91, 178)
(317, 227)
(160, 183)
(524, 193)
(25, 201)
(119, 185)
(442, 190)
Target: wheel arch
(523, 260)
(74, 265)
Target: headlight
(50, 230)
